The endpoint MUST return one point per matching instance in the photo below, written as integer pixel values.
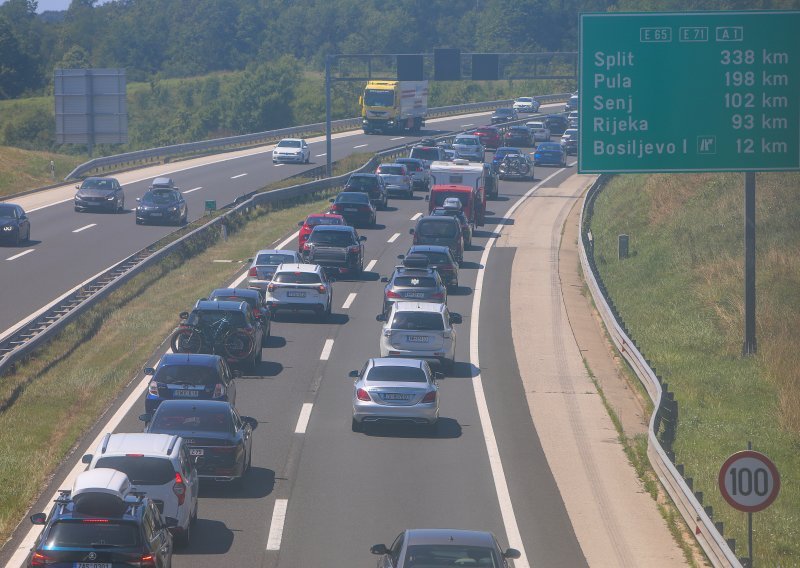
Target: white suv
(158, 465)
(420, 330)
(300, 287)
(540, 132)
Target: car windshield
(444, 555)
(504, 111)
(187, 375)
(7, 212)
(289, 144)
(435, 257)
(141, 470)
(297, 278)
(210, 317)
(331, 238)
(97, 183)
(397, 374)
(418, 321)
(272, 259)
(314, 221)
(190, 417)
(77, 534)
(373, 97)
(437, 229)
(392, 170)
(429, 154)
(353, 197)
(415, 281)
(524, 100)
(362, 182)
(466, 141)
(159, 197)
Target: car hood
(95, 192)
(288, 150)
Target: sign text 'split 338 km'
(694, 91)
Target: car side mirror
(202, 299)
(384, 279)
(170, 522)
(437, 376)
(331, 200)
(87, 459)
(512, 553)
(299, 223)
(250, 421)
(183, 315)
(237, 373)
(455, 318)
(379, 549)
(401, 256)
(380, 317)
(146, 417)
(39, 519)
(249, 260)
(362, 238)
(353, 374)
(411, 231)
(149, 371)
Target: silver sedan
(264, 265)
(393, 389)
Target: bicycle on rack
(219, 337)
(514, 165)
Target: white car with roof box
(158, 465)
(300, 287)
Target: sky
(57, 5)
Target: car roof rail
(104, 445)
(172, 442)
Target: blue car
(551, 154)
(501, 153)
(190, 376)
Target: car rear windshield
(413, 166)
(274, 259)
(435, 257)
(429, 154)
(362, 182)
(548, 147)
(418, 321)
(209, 317)
(392, 170)
(331, 238)
(445, 555)
(536, 125)
(397, 374)
(352, 197)
(415, 281)
(437, 229)
(141, 470)
(466, 141)
(519, 129)
(314, 221)
(79, 534)
(187, 375)
(196, 418)
(296, 278)
(251, 301)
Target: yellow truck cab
(394, 106)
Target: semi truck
(394, 106)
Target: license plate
(186, 393)
(196, 451)
(417, 338)
(92, 565)
(415, 295)
(155, 214)
(296, 294)
(396, 396)
(351, 209)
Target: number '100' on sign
(749, 481)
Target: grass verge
(681, 295)
(21, 170)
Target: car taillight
(335, 207)
(219, 390)
(354, 249)
(153, 388)
(361, 394)
(147, 561)
(429, 397)
(391, 294)
(253, 272)
(322, 289)
(364, 208)
(446, 266)
(39, 559)
(438, 296)
(179, 489)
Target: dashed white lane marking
(238, 176)
(320, 155)
(326, 350)
(393, 238)
(360, 146)
(349, 301)
(276, 525)
(417, 216)
(371, 265)
(302, 420)
(278, 165)
(23, 253)
(89, 226)
(397, 138)
(191, 190)
(465, 125)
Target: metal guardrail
(663, 422)
(218, 144)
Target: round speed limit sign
(749, 481)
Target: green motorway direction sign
(692, 91)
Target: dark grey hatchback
(426, 548)
(440, 230)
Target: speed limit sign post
(749, 482)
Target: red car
(489, 135)
(312, 221)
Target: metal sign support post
(750, 513)
(749, 347)
(328, 166)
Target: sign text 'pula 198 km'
(693, 91)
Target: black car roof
(195, 404)
(371, 176)
(193, 359)
(223, 305)
(427, 248)
(243, 292)
(449, 536)
(438, 219)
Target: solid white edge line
(370, 265)
(417, 216)
(360, 146)
(276, 525)
(349, 301)
(89, 226)
(326, 350)
(193, 189)
(397, 138)
(238, 176)
(492, 448)
(320, 155)
(393, 238)
(23, 253)
(302, 420)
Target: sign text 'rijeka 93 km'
(693, 91)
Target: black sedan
(518, 136)
(502, 115)
(100, 194)
(162, 205)
(355, 207)
(218, 438)
(15, 227)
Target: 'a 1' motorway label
(693, 91)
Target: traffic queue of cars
(139, 494)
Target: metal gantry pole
(750, 346)
(329, 167)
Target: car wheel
(328, 310)
(28, 235)
(182, 539)
(17, 239)
(356, 426)
(138, 221)
(120, 206)
(256, 359)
